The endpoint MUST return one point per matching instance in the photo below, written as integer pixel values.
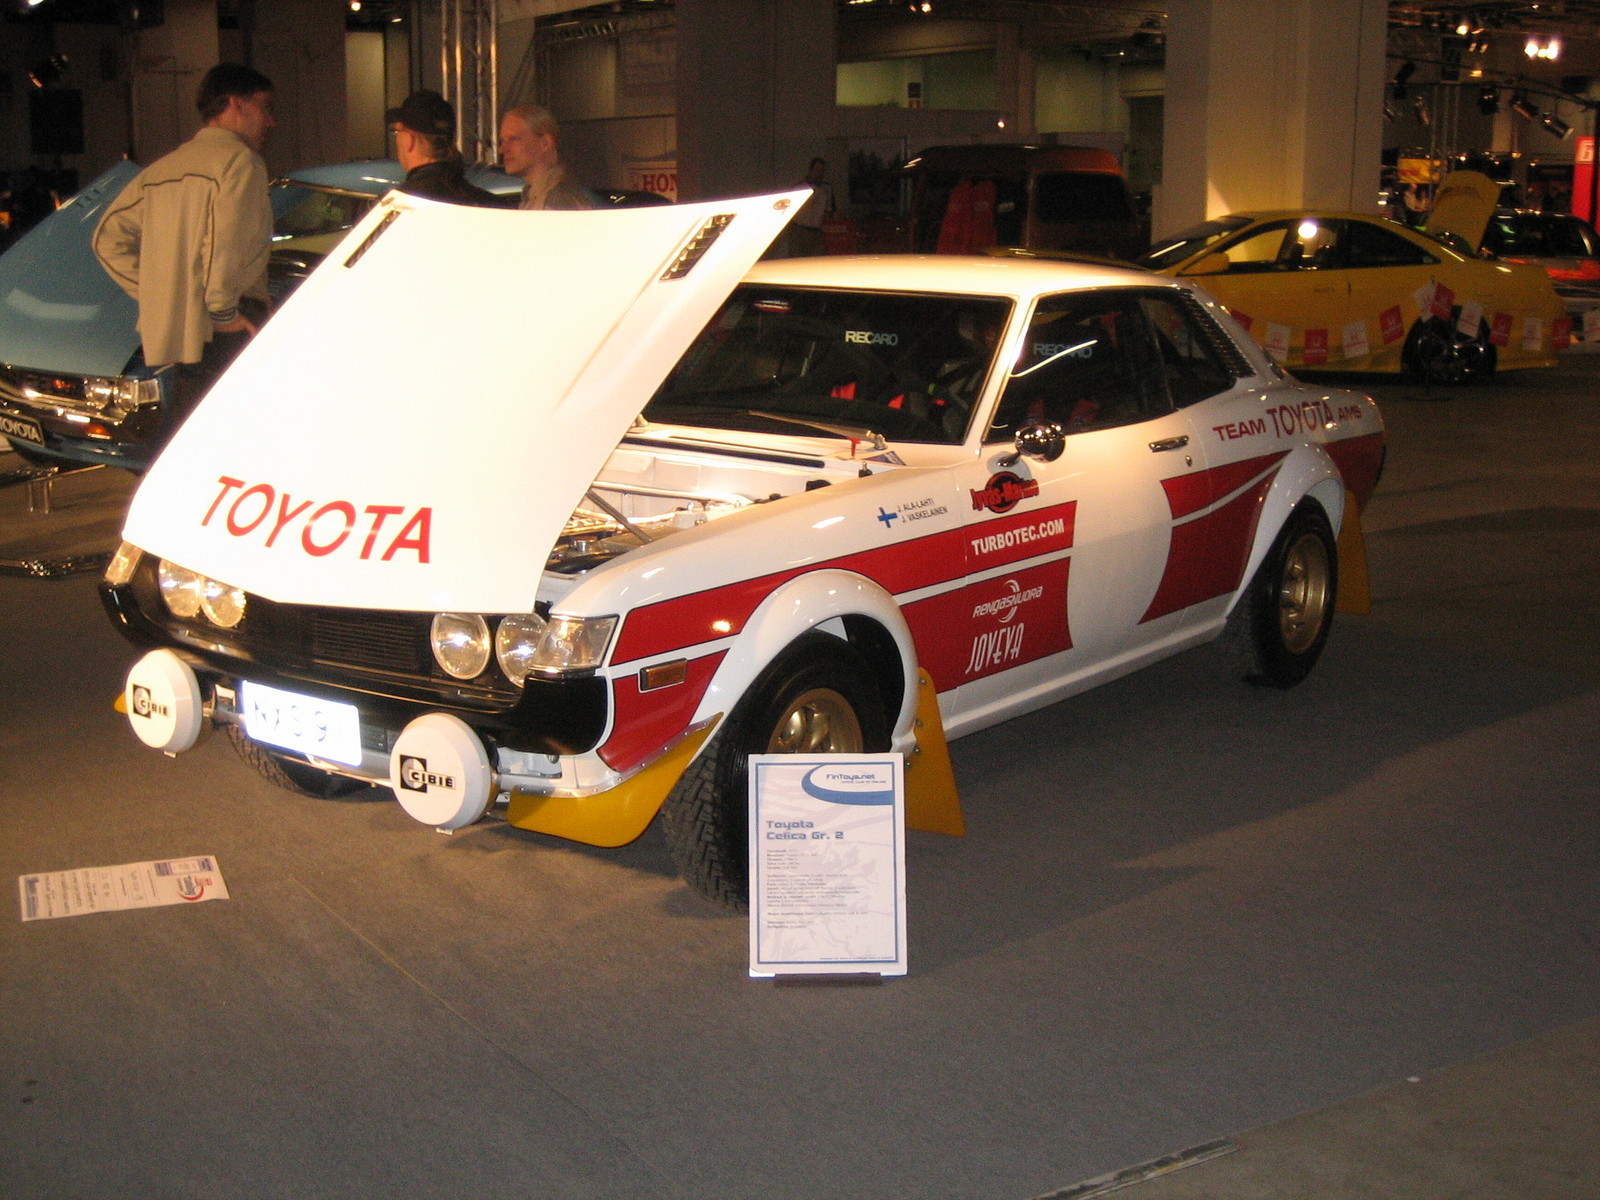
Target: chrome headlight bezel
(516, 643)
(461, 644)
(181, 589)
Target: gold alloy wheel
(819, 721)
(1303, 593)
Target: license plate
(24, 429)
(321, 728)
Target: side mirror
(1042, 443)
(1211, 264)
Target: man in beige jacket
(188, 237)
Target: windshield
(313, 218)
(1168, 252)
(849, 364)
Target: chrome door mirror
(1042, 442)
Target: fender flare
(803, 604)
(1312, 475)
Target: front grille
(379, 641)
(64, 392)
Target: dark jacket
(447, 180)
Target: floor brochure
(827, 864)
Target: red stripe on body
(1360, 461)
(898, 568)
(643, 722)
(1207, 555)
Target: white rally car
(562, 515)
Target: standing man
(188, 237)
(805, 231)
(424, 132)
(528, 148)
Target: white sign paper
(1471, 317)
(827, 864)
(1355, 340)
(1277, 343)
(1532, 334)
(130, 885)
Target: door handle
(1172, 443)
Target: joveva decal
(278, 519)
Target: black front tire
(290, 773)
(816, 697)
(1436, 352)
(1281, 623)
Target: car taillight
(1589, 268)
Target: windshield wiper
(856, 433)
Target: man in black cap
(424, 131)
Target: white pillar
(1271, 104)
(755, 94)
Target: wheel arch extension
(1305, 476)
(840, 603)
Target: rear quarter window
(1060, 197)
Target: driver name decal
(260, 512)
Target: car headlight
(515, 640)
(222, 603)
(460, 643)
(124, 393)
(573, 644)
(123, 564)
(181, 588)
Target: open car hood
(59, 310)
(1465, 202)
(415, 425)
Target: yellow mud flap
(932, 803)
(1355, 584)
(615, 817)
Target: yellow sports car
(1343, 291)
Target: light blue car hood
(59, 310)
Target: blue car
(74, 387)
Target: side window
(1304, 245)
(1086, 364)
(1369, 245)
(1188, 344)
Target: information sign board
(827, 864)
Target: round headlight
(514, 643)
(222, 604)
(461, 643)
(181, 588)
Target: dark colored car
(1567, 247)
(1050, 199)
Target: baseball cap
(425, 112)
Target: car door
(1384, 267)
(1283, 282)
(1066, 558)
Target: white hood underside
(413, 428)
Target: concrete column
(1271, 104)
(299, 45)
(168, 62)
(755, 93)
